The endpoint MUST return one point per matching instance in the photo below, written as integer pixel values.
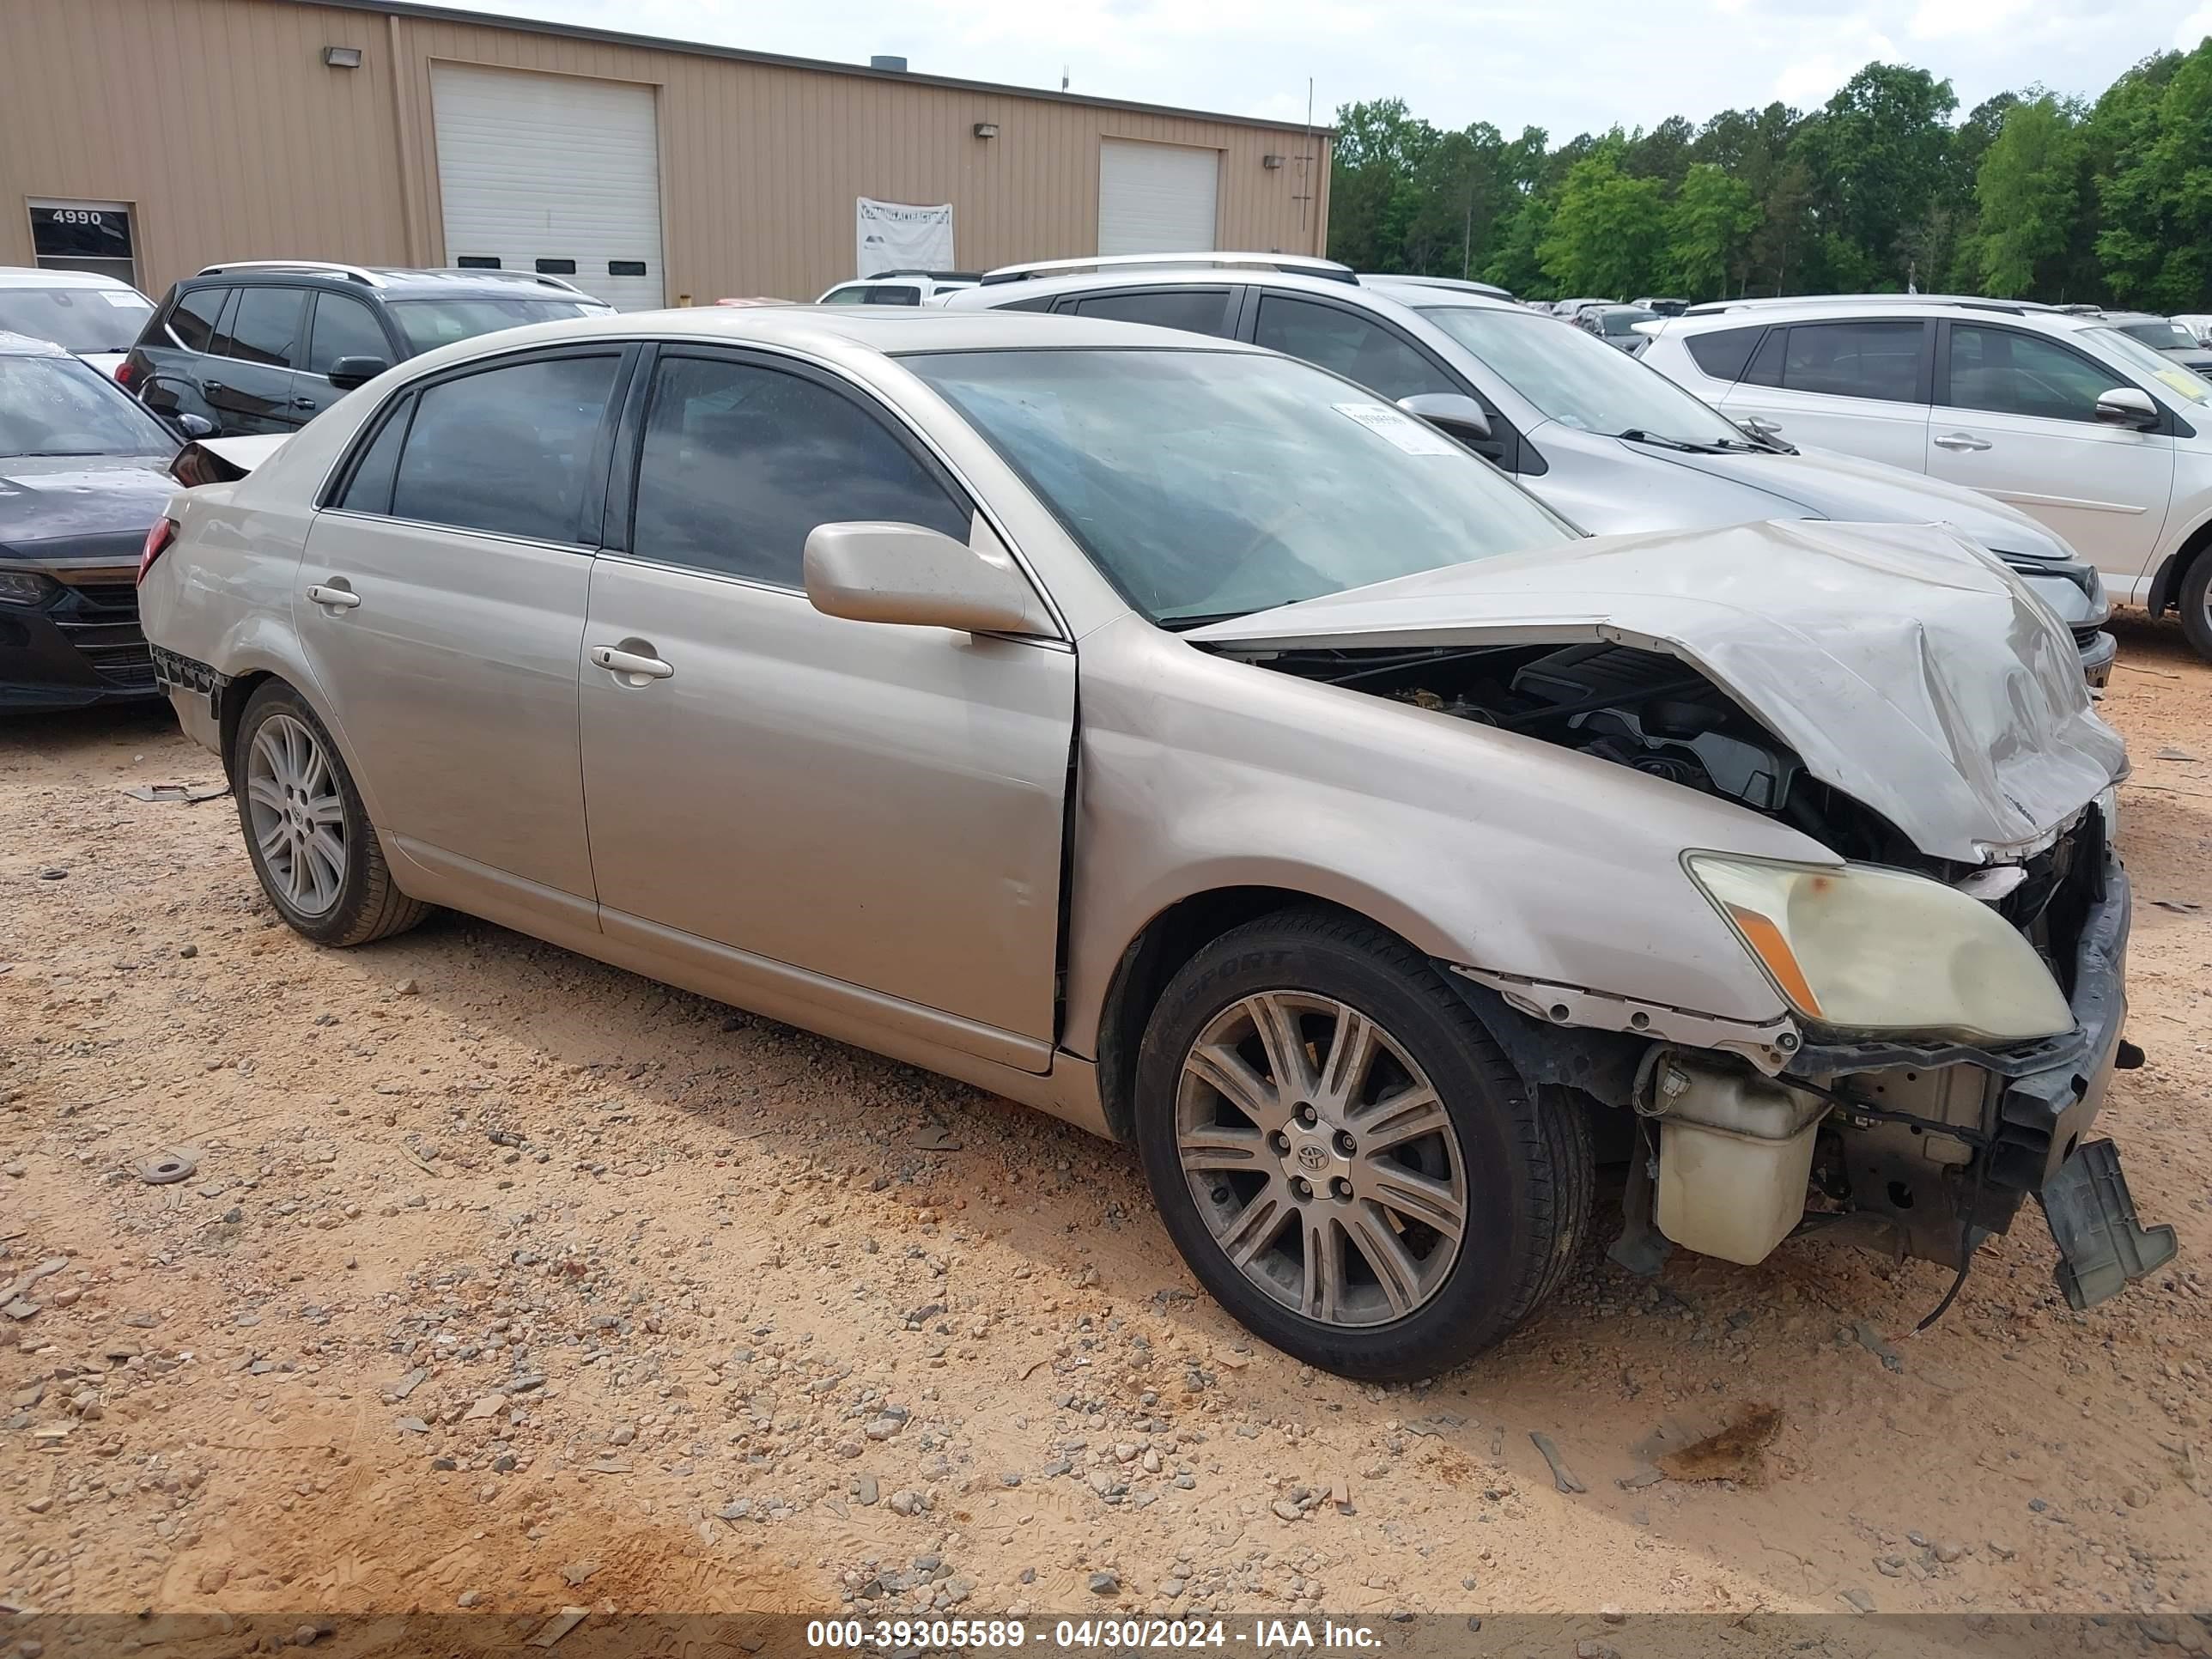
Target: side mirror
(2127, 405)
(902, 573)
(195, 426)
(1759, 427)
(347, 372)
(1454, 413)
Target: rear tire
(306, 830)
(1470, 1210)
(2195, 601)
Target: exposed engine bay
(1655, 714)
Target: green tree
(1661, 153)
(2028, 194)
(1876, 155)
(2156, 198)
(1609, 230)
(1712, 215)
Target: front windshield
(59, 407)
(431, 323)
(88, 319)
(1208, 484)
(2175, 378)
(1625, 322)
(1578, 381)
(2160, 336)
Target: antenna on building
(1063, 77)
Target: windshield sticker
(1396, 427)
(124, 301)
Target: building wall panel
(220, 121)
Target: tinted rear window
(194, 319)
(508, 450)
(1201, 311)
(1723, 352)
(1879, 359)
(264, 326)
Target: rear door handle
(1960, 440)
(214, 388)
(337, 599)
(631, 666)
(303, 403)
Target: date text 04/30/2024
(1259, 1635)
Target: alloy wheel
(297, 813)
(1321, 1157)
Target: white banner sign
(895, 236)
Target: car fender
(2165, 578)
(1480, 847)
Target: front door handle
(632, 666)
(1960, 440)
(337, 599)
(214, 388)
(303, 403)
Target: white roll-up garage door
(556, 168)
(1156, 198)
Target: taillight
(124, 373)
(157, 543)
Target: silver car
(1608, 443)
(1179, 739)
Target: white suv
(2105, 439)
(901, 288)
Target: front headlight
(1861, 950)
(24, 587)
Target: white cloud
(1511, 63)
(1949, 20)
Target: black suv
(263, 345)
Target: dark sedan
(82, 479)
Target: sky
(1567, 68)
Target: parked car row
(1183, 730)
(2069, 416)
(1606, 443)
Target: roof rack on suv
(1296, 264)
(494, 274)
(1720, 307)
(354, 273)
(934, 275)
(1456, 284)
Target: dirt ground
(508, 1281)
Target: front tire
(306, 829)
(1343, 1155)
(2195, 601)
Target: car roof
(1456, 284)
(1425, 295)
(28, 346)
(39, 276)
(1195, 259)
(842, 332)
(454, 283)
(1004, 295)
(1820, 308)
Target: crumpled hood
(1903, 668)
(1828, 485)
(50, 503)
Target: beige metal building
(150, 138)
